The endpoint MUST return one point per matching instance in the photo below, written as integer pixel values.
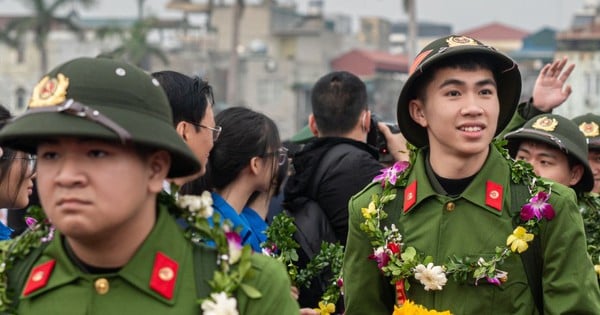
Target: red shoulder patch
(493, 195)
(39, 276)
(164, 275)
(410, 196)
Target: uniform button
(450, 206)
(102, 286)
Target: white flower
(220, 304)
(200, 205)
(432, 277)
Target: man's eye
(97, 153)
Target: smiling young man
(105, 143)
(457, 201)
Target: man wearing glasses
(191, 101)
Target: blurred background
(267, 54)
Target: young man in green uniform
(456, 203)
(589, 203)
(589, 125)
(556, 150)
(105, 143)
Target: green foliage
(589, 205)
(281, 245)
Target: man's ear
(416, 110)
(366, 121)
(181, 129)
(159, 163)
(312, 124)
(576, 174)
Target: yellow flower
(325, 309)
(368, 212)
(518, 239)
(597, 269)
(410, 308)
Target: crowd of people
(152, 204)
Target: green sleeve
(270, 278)
(569, 282)
(366, 290)
(524, 112)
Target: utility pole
(232, 74)
(410, 7)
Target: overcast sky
(529, 15)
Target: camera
(376, 138)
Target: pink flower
(390, 174)
(31, 222)
(538, 208)
(340, 282)
(380, 256)
(235, 246)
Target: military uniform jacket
(159, 279)
(472, 225)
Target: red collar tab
(164, 274)
(493, 195)
(410, 196)
(39, 276)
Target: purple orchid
(390, 174)
(32, 225)
(381, 256)
(538, 208)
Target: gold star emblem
(589, 129)
(545, 123)
(50, 91)
(461, 41)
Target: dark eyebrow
(459, 82)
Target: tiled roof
(367, 63)
(495, 31)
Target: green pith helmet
(102, 99)
(589, 125)
(506, 73)
(561, 133)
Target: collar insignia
(589, 129)
(545, 123)
(50, 91)
(461, 41)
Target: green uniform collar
(138, 272)
(489, 186)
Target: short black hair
(188, 96)
(338, 98)
(464, 62)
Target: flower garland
(197, 212)
(281, 245)
(399, 262)
(589, 206)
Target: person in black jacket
(338, 163)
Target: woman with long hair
(17, 171)
(243, 161)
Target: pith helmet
(506, 72)
(104, 99)
(589, 125)
(561, 133)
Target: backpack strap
(532, 257)
(204, 259)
